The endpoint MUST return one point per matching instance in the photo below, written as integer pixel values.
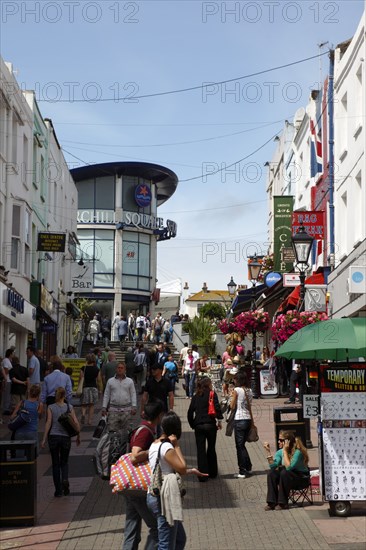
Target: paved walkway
(223, 513)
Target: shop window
(104, 280)
(85, 194)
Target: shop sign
(15, 300)
(129, 219)
(312, 221)
(81, 277)
(344, 377)
(315, 298)
(271, 278)
(143, 195)
(282, 216)
(291, 279)
(51, 242)
(48, 327)
(288, 255)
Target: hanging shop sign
(291, 279)
(316, 298)
(81, 276)
(143, 195)
(271, 278)
(282, 217)
(51, 242)
(312, 221)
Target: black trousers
(280, 482)
(206, 452)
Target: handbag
(252, 436)
(230, 423)
(79, 389)
(156, 476)
(68, 423)
(211, 405)
(126, 476)
(22, 418)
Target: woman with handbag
(59, 441)
(204, 417)
(91, 380)
(166, 456)
(243, 420)
(29, 431)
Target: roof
(210, 296)
(166, 180)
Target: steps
(88, 347)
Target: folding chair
(300, 496)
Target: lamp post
(254, 267)
(302, 244)
(231, 286)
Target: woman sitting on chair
(289, 470)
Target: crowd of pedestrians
(146, 382)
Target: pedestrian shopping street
(223, 513)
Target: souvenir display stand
(342, 435)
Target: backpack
(111, 446)
(141, 323)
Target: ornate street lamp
(302, 243)
(231, 286)
(254, 267)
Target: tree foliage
(201, 331)
(213, 310)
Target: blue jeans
(136, 510)
(171, 537)
(190, 380)
(241, 430)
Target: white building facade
(347, 282)
(37, 195)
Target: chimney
(204, 288)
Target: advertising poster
(343, 413)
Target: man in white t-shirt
(6, 368)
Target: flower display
(246, 323)
(267, 265)
(288, 323)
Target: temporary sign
(345, 377)
(51, 242)
(282, 232)
(312, 221)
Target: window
(14, 140)
(42, 179)
(15, 240)
(97, 251)
(25, 160)
(136, 260)
(97, 194)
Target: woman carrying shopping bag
(241, 403)
(204, 417)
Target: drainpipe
(331, 258)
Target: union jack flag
(316, 153)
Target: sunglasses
(281, 440)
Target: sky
(90, 63)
